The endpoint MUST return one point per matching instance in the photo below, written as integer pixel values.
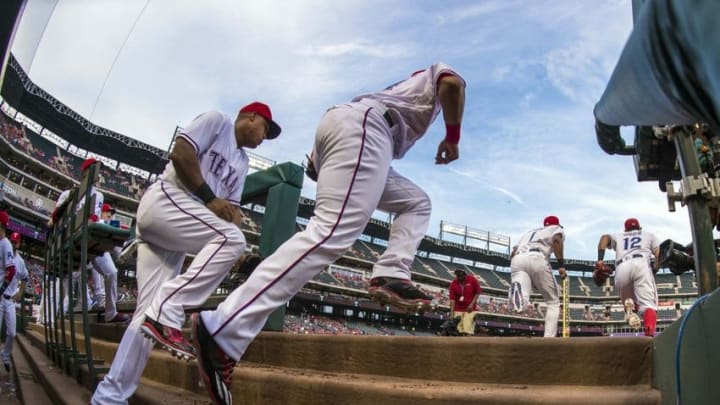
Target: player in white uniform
(530, 267)
(634, 275)
(12, 294)
(8, 284)
(104, 272)
(355, 144)
(193, 207)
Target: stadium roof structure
(35, 103)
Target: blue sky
(534, 70)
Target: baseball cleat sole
(153, 334)
(383, 297)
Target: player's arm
(238, 217)
(187, 166)
(10, 271)
(476, 294)
(656, 263)
(603, 245)
(452, 297)
(558, 247)
(451, 95)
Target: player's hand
(446, 153)
(563, 272)
(222, 208)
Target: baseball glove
(601, 273)
(310, 170)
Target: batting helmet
(551, 220)
(631, 224)
(14, 237)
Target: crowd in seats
(39, 148)
(318, 325)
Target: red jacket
(467, 290)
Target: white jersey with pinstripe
(223, 164)
(540, 239)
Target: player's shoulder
(439, 68)
(213, 116)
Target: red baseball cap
(108, 208)
(4, 219)
(631, 224)
(264, 111)
(87, 163)
(551, 220)
(15, 237)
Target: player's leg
(98, 287)
(105, 265)
(625, 288)
(352, 152)
(543, 279)
(646, 295)
(155, 266)
(520, 284)
(9, 318)
(182, 224)
(391, 273)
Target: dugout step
(256, 384)
(416, 370)
(501, 360)
(162, 382)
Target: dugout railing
(74, 240)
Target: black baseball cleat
(7, 366)
(170, 339)
(399, 292)
(214, 365)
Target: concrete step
(300, 369)
(504, 360)
(514, 360)
(65, 390)
(257, 384)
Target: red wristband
(452, 133)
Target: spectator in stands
(464, 293)
(194, 207)
(530, 267)
(634, 272)
(12, 294)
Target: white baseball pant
(105, 283)
(353, 151)
(7, 314)
(533, 270)
(170, 223)
(634, 279)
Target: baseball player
(12, 294)
(193, 207)
(634, 275)
(104, 272)
(530, 267)
(355, 144)
(464, 292)
(8, 287)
